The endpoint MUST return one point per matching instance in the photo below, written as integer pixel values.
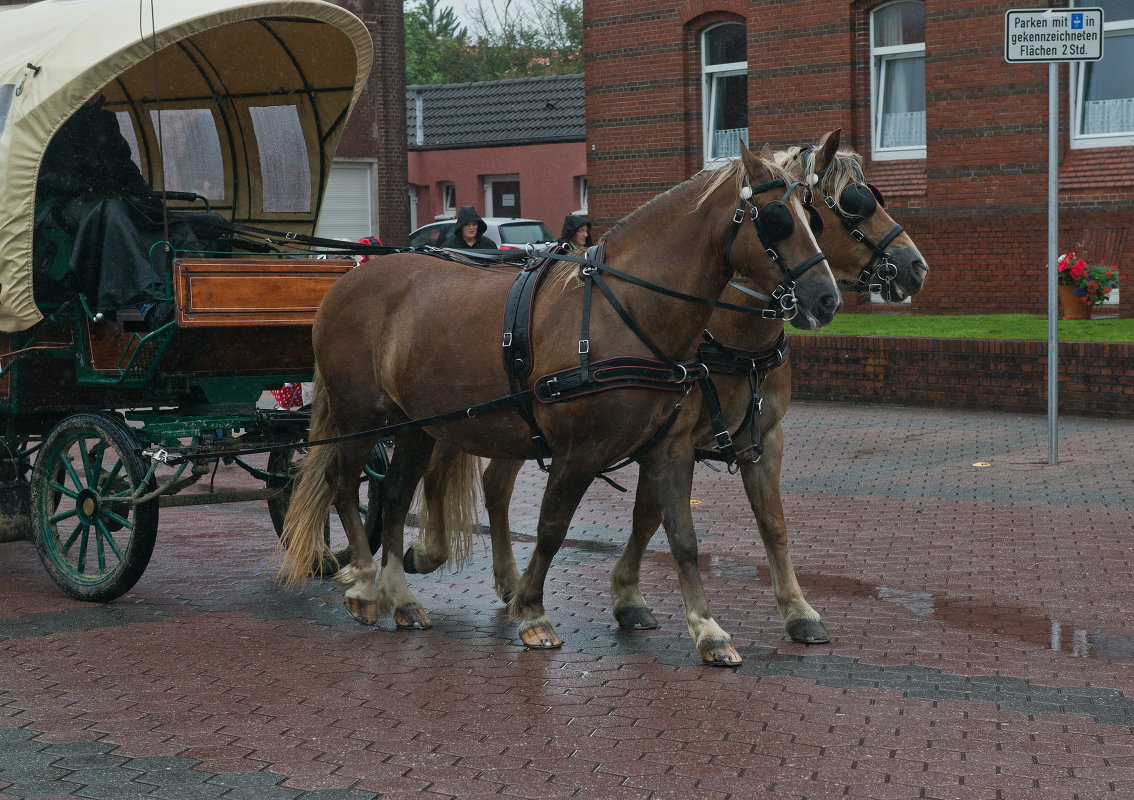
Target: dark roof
(496, 112)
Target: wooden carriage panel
(242, 292)
(242, 351)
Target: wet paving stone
(981, 621)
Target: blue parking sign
(1077, 21)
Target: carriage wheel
(94, 545)
(282, 461)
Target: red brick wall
(976, 205)
(377, 127)
(1095, 378)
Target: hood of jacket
(572, 224)
(468, 214)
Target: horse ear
(826, 149)
(755, 169)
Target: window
(724, 68)
(1102, 92)
(285, 173)
(6, 92)
(581, 184)
(190, 151)
(448, 193)
(897, 56)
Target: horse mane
(713, 180)
(846, 169)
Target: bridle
(862, 200)
(774, 223)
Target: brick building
(955, 137)
(511, 148)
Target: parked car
(510, 233)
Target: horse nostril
(830, 303)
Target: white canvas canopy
(233, 62)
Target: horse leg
(412, 450)
(671, 484)
(499, 481)
(566, 485)
(627, 602)
(762, 483)
(432, 549)
(343, 475)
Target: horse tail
(302, 536)
(460, 502)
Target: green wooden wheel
(94, 545)
(282, 461)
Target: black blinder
(775, 221)
(859, 200)
(877, 194)
(814, 220)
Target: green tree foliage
(510, 39)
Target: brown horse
(863, 244)
(410, 336)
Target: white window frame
(709, 75)
(1080, 140)
(880, 57)
(447, 191)
(581, 183)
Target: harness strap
(470, 412)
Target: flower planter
(1070, 304)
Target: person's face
(580, 237)
(468, 231)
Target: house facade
(510, 148)
(953, 135)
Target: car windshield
(524, 232)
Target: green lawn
(976, 326)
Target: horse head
(864, 245)
(807, 295)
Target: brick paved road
(982, 621)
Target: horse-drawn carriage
(231, 112)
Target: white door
(348, 208)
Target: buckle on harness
(548, 384)
(507, 339)
(724, 439)
(584, 346)
(738, 217)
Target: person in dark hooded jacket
(468, 232)
(576, 231)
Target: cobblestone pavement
(983, 646)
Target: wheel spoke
(69, 465)
(71, 539)
(63, 516)
(106, 536)
(123, 521)
(92, 461)
(101, 535)
(108, 477)
(83, 540)
(63, 490)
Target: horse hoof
(635, 618)
(364, 612)
(808, 631)
(541, 637)
(720, 653)
(412, 618)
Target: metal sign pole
(1053, 35)
(1052, 258)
